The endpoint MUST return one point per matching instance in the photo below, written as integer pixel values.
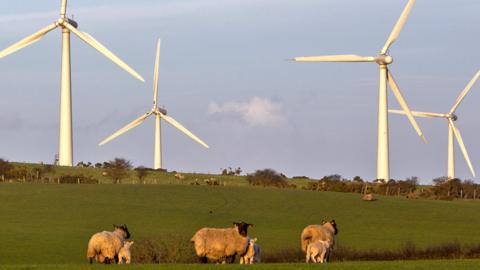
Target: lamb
(253, 253)
(124, 253)
(326, 232)
(104, 246)
(318, 251)
(221, 244)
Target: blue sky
(224, 76)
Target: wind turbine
(383, 60)
(65, 151)
(159, 113)
(452, 130)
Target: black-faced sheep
(318, 251)
(223, 244)
(124, 253)
(104, 246)
(314, 233)
(253, 253)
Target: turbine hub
(384, 59)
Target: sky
(224, 75)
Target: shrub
(77, 179)
(177, 249)
(267, 177)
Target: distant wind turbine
(452, 130)
(159, 114)
(383, 60)
(65, 151)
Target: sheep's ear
(324, 221)
(332, 221)
(250, 225)
(115, 226)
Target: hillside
(60, 218)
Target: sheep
(124, 253)
(104, 246)
(221, 244)
(326, 232)
(253, 253)
(318, 251)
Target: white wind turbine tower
(159, 113)
(65, 151)
(451, 117)
(383, 60)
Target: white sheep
(220, 245)
(125, 253)
(104, 246)
(326, 232)
(253, 253)
(318, 251)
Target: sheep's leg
(232, 258)
(203, 259)
(115, 258)
(307, 258)
(90, 260)
(242, 259)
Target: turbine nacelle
(160, 110)
(62, 21)
(452, 116)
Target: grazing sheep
(124, 253)
(368, 197)
(253, 253)
(104, 246)
(314, 233)
(318, 251)
(223, 244)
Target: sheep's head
(123, 228)
(331, 223)
(242, 227)
(128, 244)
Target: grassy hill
(51, 224)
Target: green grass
(51, 224)
(395, 265)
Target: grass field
(51, 224)
(395, 265)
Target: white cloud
(255, 112)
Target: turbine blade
(336, 58)
(155, 75)
(99, 47)
(465, 92)
(420, 114)
(404, 105)
(28, 40)
(174, 123)
(126, 128)
(458, 136)
(398, 26)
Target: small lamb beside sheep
(124, 253)
(318, 251)
(253, 253)
(104, 246)
(327, 231)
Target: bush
(267, 177)
(177, 249)
(77, 179)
